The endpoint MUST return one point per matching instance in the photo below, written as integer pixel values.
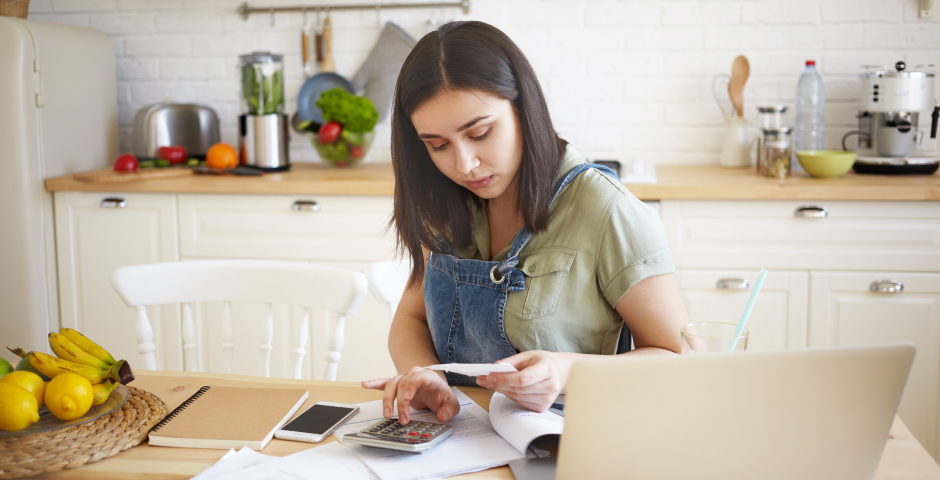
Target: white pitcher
(739, 140)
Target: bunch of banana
(77, 354)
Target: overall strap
(524, 235)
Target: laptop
(807, 414)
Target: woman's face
(474, 138)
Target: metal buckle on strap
(493, 277)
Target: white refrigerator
(58, 115)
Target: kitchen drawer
(882, 236)
(326, 227)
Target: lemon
(69, 396)
(18, 407)
(28, 381)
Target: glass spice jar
(774, 153)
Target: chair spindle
(300, 343)
(333, 356)
(145, 345)
(268, 338)
(190, 350)
(228, 338)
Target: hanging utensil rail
(244, 10)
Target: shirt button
(532, 267)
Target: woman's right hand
(419, 388)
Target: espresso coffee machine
(890, 104)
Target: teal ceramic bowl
(826, 163)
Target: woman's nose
(466, 160)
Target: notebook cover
(232, 413)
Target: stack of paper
(333, 461)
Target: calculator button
(413, 433)
(426, 435)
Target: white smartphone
(317, 422)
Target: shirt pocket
(546, 271)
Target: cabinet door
(95, 235)
(778, 320)
(843, 311)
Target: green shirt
(601, 240)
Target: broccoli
(355, 114)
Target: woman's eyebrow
(427, 136)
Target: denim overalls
(466, 299)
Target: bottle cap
(811, 63)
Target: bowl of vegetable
(344, 140)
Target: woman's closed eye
(478, 138)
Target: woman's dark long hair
(472, 56)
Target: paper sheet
(233, 462)
(333, 460)
(473, 446)
(474, 369)
(520, 426)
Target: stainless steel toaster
(195, 127)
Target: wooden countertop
(903, 457)
(689, 182)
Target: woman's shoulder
(595, 189)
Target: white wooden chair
(387, 281)
(337, 291)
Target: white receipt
(474, 369)
(233, 462)
(474, 445)
(333, 460)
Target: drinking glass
(712, 337)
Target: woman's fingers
(407, 389)
(375, 384)
(448, 406)
(388, 396)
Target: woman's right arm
(411, 347)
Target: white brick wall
(624, 79)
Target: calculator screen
(317, 419)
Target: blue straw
(747, 309)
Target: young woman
(523, 253)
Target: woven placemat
(88, 442)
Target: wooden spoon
(328, 65)
(740, 70)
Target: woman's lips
(478, 184)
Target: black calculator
(414, 437)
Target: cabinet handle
(811, 211)
(113, 202)
(306, 206)
(732, 284)
(886, 286)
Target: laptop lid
(820, 413)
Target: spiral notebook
(228, 417)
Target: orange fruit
(221, 156)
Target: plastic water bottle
(808, 126)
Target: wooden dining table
(903, 459)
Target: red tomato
(125, 163)
(355, 151)
(329, 132)
(175, 154)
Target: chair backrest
(387, 281)
(334, 290)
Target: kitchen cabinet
(830, 252)
(311, 227)
(804, 235)
(778, 320)
(844, 311)
(96, 233)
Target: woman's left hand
(541, 377)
